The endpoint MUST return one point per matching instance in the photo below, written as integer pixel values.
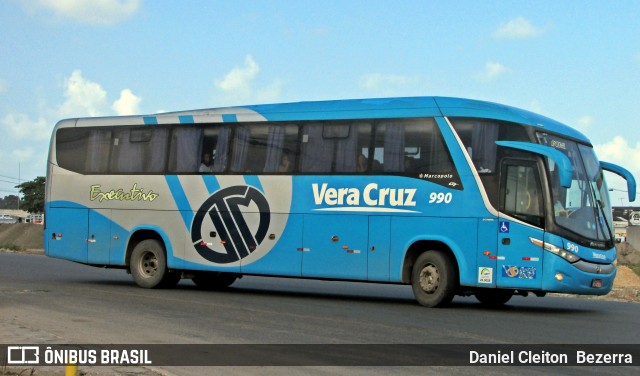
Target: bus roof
(351, 109)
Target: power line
(12, 178)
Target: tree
(9, 202)
(32, 195)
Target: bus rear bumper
(581, 277)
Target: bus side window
(335, 147)
(317, 152)
(281, 149)
(216, 144)
(186, 149)
(83, 150)
(139, 150)
(521, 193)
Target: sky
(577, 62)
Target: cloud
(619, 151)
(237, 87)
(23, 154)
(239, 78)
(83, 97)
(127, 104)
(518, 28)
(23, 127)
(491, 72)
(584, 123)
(94, 12)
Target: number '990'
(439, 198)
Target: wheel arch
(419, 246)
(141, 233)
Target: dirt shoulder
(21, 236)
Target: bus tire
(493, 297)
(214, 280)
(148, 265)
(433, 279)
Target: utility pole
(19, 182)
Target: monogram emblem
(234, 220)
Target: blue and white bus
(452, 196)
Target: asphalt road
(49, 301)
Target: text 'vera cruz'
(371, 195)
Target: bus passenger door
(98, 238)
(67, 233)
(519, 259)
(335, 246)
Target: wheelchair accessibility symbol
(504, 227)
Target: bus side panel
(458, 234)
(99, 239)
(335, 246)
(285, 258)
(166, 224)
(487, 272)
(378, 250)
(67, 230)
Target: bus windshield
(583, 208)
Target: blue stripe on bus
(254, 181)
(211, 183)
(180, 198)
(186, 119)
(230, 118)
(150, 120)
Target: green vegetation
(32, 195)
(635, 268)
(11, 247)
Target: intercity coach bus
(452, 196)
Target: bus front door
(519, 261)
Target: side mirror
(564, 164)
(625, 174)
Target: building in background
(20, 216)
(623, 217)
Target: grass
(11, 247)
(635, 268)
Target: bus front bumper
(580, 277)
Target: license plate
(596, 283)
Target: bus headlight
(561, 252)
(556, 250)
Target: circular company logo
(235, 229)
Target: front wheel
(433, 279)
(148, 265)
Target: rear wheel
(214, 280)
(493, 298)
(148, 265)
(433, 279)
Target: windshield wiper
(601, 217)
